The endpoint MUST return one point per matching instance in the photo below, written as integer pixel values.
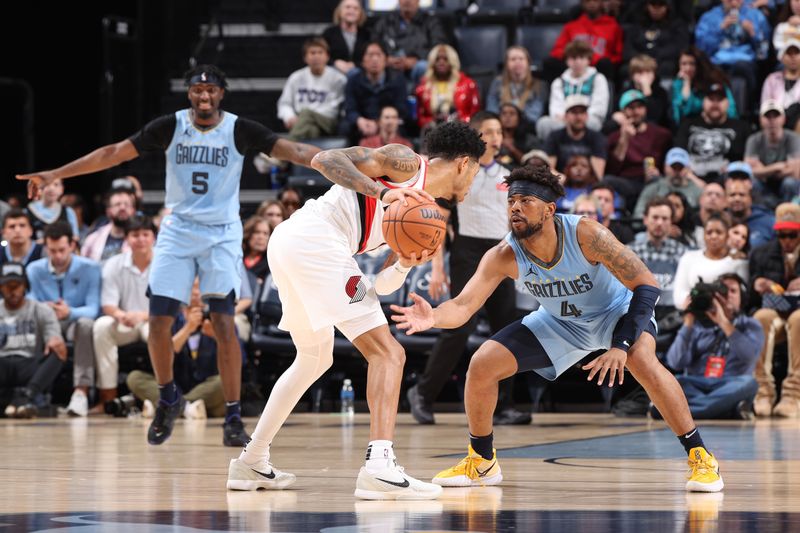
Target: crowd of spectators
(677, 123)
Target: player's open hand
(416, 318)
(401, 194)
(408, 262)
(611, 363)
(37, 182)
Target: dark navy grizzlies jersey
(570, 287)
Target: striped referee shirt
(484, 212)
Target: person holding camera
(717, 349)
(708, 263)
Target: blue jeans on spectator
(717, 397)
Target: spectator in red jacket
(601, 31)
(446, 93)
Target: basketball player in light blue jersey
(205, 148)
(594, 293)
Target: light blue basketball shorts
(186, 249)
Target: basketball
(414, 228)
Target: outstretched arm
(355, 168)
(496, 265)
(103, 158)
(297, 153)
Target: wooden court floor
(565, 472)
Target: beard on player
(522, 229)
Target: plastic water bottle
(273, 177)
(348, 398)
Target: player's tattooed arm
(600, 246)
(355, 167)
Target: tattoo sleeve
(620, 260)
(339, 166)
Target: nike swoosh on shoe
(481, 474)
(402, 484)
(271, 475)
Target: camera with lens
(702, 299)
(121, 407)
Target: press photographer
(716, 350)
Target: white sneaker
(261, 475)
(392, 483)
(78, 404)
(195, 410)
(148, 409)
(11, 409)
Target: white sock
(380, 455)
(311, 362)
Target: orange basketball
(414, 227)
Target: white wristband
(390, 279)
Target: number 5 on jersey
(568, 309)
(199, 182)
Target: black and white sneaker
(164, 421)
(392, 483)
(233, 433)
(261, 475)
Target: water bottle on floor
(348, 398)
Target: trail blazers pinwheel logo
(355, 289)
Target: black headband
(205, 77)
(528, 188)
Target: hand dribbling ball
(414, 228)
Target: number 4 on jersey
(568, 309)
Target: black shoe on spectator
(164, 421)
(744, 410)
(24, 403)
(511, 417)
(233, 433)
(419, 409)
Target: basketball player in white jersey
(321, 287)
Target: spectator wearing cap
(738, 190)
(109, 240)
(659, 35)
(774, 155)
(734, 36)
(575, 138)
(312, 96)
(630, 147)
(33, 351)
(18, 236)
(712, 138)
(70, 285)
(578, 79)
(601, 31)
(781, 86)
(534, 157)
(775, 271)
(678, 176)
(695, 75)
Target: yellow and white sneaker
(472, 470)
(703, 475)
(392, 483)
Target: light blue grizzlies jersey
(204, 171)
(570, 288)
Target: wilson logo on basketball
(432, 213)
(355, 289)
